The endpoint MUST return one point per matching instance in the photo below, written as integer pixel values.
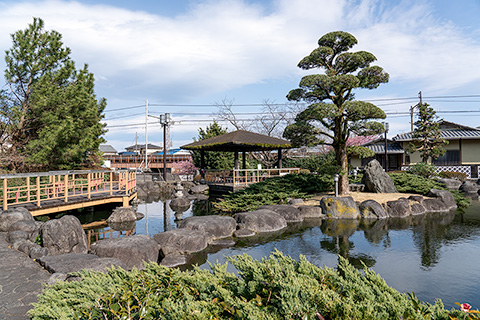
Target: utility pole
(165, 121)
(412, 108)
(385, 125)
(146, 134)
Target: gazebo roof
(239, 140)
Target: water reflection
(424, 254)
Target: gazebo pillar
(202, 159)
(280, 158)
(244, 161)
(236, 165)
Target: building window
(451, 157)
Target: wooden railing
(25, 188)
(245, 176)
(138, 161)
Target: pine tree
(427, 135)
(332, 123)
(50, 112)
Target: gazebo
(239, 141)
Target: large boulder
(451, 184)
(290, 213)
(471, 187)
(132, 250)
(29, 226)
(64, 235)
(181, 241)
(74, 262)
(261, 220)
(445, 196)
(339, 207)
(371, 209)
(376, 180)
(216, 227)
(399, 208)
(124, 214)
(199, 188)
(417, 209)
(10, 216)
(435, 205)
(308, 212)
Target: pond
(433, 255)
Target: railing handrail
(63, 185)
(52, 173)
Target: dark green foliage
(411, 183)
(322, 163)
(277, 287)
(427, 134)
(453, 175)
(333, 122)
(213, 159)
(274, 191)
(423, 169)
(50, 114)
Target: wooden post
(89, 185)
(234, 177)
(28, 189)
(65, 188)
(5, 204)
(38, 191)
(54, 190)
(111, 183)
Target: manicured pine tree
(334, 121)
(427, 135)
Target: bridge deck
(45, 193)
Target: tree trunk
(342, 162)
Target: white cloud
(222, 45)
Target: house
(107, 150)
(395, 153)
(462, 152)
(140, 148)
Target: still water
(433, 255)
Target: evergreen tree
(332, 123)
(50, 111)
(213, 159)
(427, 135)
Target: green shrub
(275, 190)
(423, 169)
(408, 182)
(277, 287)
(411, 183)
(453, 175)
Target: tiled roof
(142, 146)
(239, 140)
(445, 134)
(107, 148)
(392, 148)
(448, 131)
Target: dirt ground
(362, 196)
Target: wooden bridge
(55, 191)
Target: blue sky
(201, 52)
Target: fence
(245, 176)
(34, 188)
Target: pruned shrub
(453, 175)
(275, 190)
(277, 287)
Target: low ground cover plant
(275, 190)
(277, 287)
